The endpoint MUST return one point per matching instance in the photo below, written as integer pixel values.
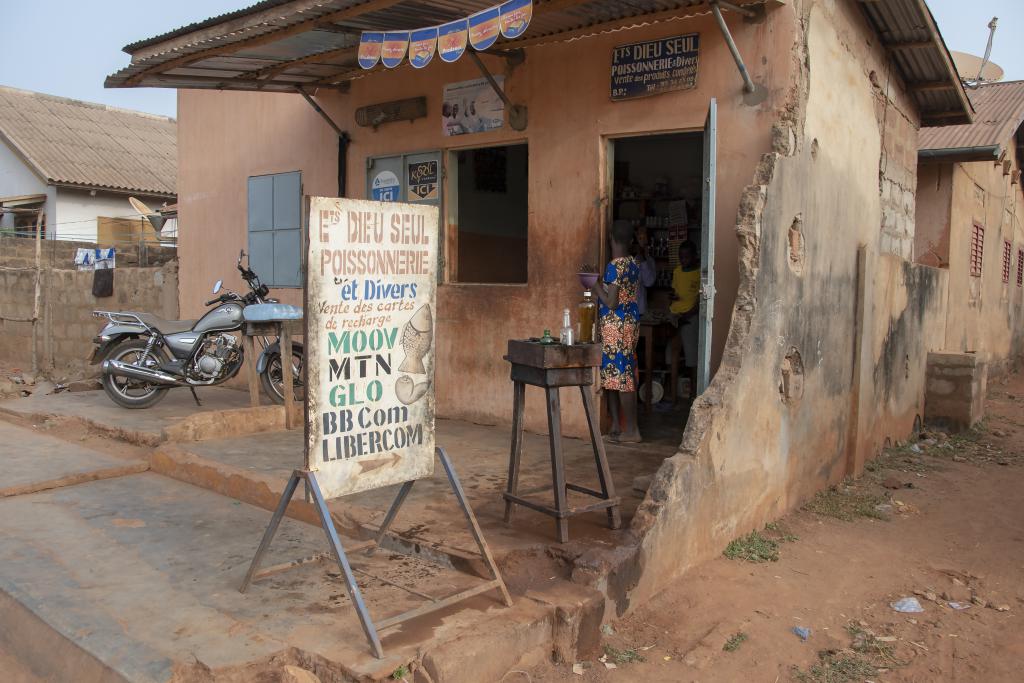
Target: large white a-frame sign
(371, 287)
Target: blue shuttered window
(275, 234)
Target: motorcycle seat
(166, 326)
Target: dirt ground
(939, 519)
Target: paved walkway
(135, 577)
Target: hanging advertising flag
(452, 39)
(422, 44)
(396, 44)
(370, 44)
(484, 28)
(515, 17)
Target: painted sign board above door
(371, 285)
(653, 67)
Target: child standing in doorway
(619, 318)
(686, 306)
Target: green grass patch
(835, 667)
(846, 503)
(734, 642)
(776, 531)
(754, 547)
(400, 673)
(628, 656)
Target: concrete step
(37, 462)
(255, 469)
(225, 412)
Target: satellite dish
(140, 207)
(967, 66)
(154, 217)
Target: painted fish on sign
(654, 66)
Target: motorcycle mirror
(241, 255)
(217, 285)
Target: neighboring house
(822, 323)
(80, 162)
(970, 221)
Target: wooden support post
(516, 454)
(250, 360)
(35, 303)
(287, 381)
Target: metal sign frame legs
(338, 552)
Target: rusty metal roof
(1000, 114)
(281, 46)
(69, 142)
(918, 52)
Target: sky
(68, 47)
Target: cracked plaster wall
(761, 440)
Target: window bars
(977, 249)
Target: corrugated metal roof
(205, 23)
(69, 142)
(277, 46)
(912, 37)
(313, 44)
(1000, 113)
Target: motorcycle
(144, 356)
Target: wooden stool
(551, 366)
(285, 331)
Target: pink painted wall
(226, 137)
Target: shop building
(820, 321)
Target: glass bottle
(566, 336)
(586, 314)
(547, 338)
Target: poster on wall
(371, 285)
(422, 181)
(654, 66)
(385, 187)
(472, 107)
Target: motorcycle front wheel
(126, 391)
(272, 380)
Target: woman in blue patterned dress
(620, 327)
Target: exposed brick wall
(66, 325)
(897, 166)
(21, 251)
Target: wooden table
(551, 367)
(285, 330)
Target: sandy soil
(957, 534)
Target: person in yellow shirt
(686, 306)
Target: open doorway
(658, 185)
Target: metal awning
(290, 45)
(281, 46)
